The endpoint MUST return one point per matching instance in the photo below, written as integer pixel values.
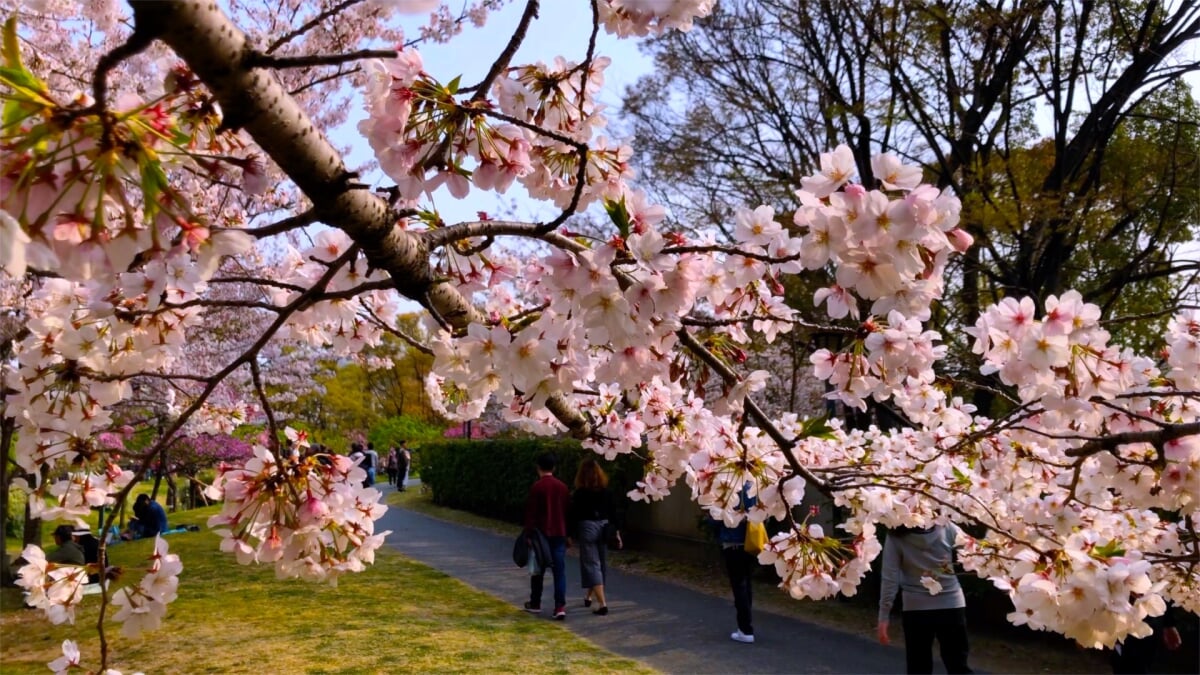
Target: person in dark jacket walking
(739, 565)
(403, 464)
(920, 564)
(546, 510)
(592, 515)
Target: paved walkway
(668, 627)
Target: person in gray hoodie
(920, 564)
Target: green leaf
(1112, 548)
(961, 478)
(154, 183)
(453, 86)
(618, 214)
(816, 427)
(14, 113)
(19, 78)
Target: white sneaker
(739, 636)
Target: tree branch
(1156, 437)
(258, 60)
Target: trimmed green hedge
(492, 477)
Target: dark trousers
(740, 566)
(558, 556)
(949, 626)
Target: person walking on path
(372, 464)
(592, 516)
(546, 511)
(403, 460)
(389, 464)
(920, 564)
(739, 565)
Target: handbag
(610, 534)
(756, 538)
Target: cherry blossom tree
(180, 190)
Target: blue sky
(562, 29)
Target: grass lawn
(1001, 653)
(397, 616)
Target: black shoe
(532, 608)
(603, 611)
(587, 602)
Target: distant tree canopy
(347, 400)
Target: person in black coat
(593, 516)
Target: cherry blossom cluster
(142, 607)
(52, 587)
(345, 326)
(87, 212)
(312, 518)
(1062, 360)
(424, 137)
(1183, 349)
(58, 589)
(813, 565)
(443, 25)
(627, 18)
(898, 358)
(892, 251)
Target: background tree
(340, 400)
(396, 371)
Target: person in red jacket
(546, 511)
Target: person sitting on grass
(68, 552)
(149, 519)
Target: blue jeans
(558, 556)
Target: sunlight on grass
(397, 616)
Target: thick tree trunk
(32, 533)
(7, 425)
(172, 494)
